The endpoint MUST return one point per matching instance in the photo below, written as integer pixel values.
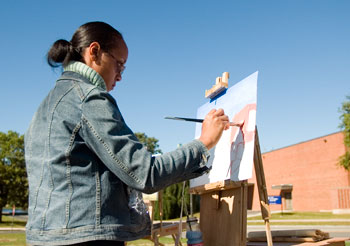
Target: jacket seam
(76, 81)
(90, 91)
(68, 171)
(98, 199)
(43, 218)
(80, 92)
(110, 152)
(28, 139)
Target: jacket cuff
(205, 155)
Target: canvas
(232, 158)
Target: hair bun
(62, 52)
(59, 52)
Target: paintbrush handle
(199, 120)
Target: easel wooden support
(160, 229)
(223, 208)
(263, 197)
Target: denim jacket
(86, 168)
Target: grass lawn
(304, 215)
(165, 240)
(302, 223)
(7, 222)
(18, 239)
(12, 239)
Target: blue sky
(177, 49)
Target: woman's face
(113, 65)
(109, 64)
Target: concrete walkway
(6, 229)
(258, 213)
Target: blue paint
(194, 238)
(218, 96)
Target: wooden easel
(223, 207)
(260, 180)
(160, 229)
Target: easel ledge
(217, 186)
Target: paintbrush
(199, 120)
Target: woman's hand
(214, 124)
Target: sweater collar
(87, 72)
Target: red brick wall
(342, 199)
(311, 167)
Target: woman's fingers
(213, 125)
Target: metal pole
(191, 205)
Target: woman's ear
(94, 51)
(92, 55)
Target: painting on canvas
(232, 158)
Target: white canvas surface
(232, 158)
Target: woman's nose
(118, 77)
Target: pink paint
(240, 136)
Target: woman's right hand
(214, 124)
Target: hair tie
(76, 50)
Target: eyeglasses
(120, 65)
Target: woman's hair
(62, 51)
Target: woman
(86, 169)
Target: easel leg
(260, 180)
(175, 238)
(268, 233)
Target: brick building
(306, 176)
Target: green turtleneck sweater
(87, 72)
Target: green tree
(13, 176)
(344, 160)
(171, 194)
(150, 142)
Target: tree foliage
(344, 160)
(150, 142)
(171, 194)
(13, 176)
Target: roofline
(303, 142)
